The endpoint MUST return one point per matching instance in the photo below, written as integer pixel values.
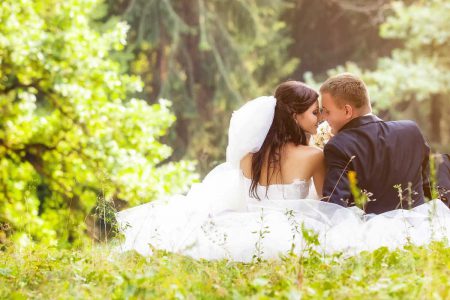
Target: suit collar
(359, 121)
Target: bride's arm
(319, 170)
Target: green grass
(99, 273)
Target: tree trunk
(200, 85)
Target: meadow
(99, 272)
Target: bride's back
(297, 163)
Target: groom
(383, 154)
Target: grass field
(97, 272)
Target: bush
(70, 131)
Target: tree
(329, 32)
(69, 133)
(208, 57)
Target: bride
(264, 200)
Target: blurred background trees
(208, 57)
(74, 133)
(70, 134)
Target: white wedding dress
(218, 219)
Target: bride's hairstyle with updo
(292, 97)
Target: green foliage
(69, 130)
(100, 273)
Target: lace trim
(296, 181)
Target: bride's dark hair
(292, 97)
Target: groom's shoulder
(404, 125)
(348, 137)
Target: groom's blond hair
(347, 88)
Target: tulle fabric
(217, 219)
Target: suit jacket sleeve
(426, 181)
(336, 186)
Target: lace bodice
(299, 189)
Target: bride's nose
(320, 117)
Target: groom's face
(333, 113)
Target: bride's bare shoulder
(302, 161)
(246, 164)
(305, 152)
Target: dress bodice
(298, 189)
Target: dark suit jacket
(385, 154)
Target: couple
(259, 202)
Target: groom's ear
(348, 111)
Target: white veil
(248, 129)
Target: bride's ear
(294, 116)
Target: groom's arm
(336, 187)
(426, 180)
